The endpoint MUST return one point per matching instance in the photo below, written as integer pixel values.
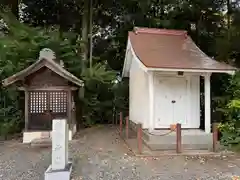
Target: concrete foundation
(59, 174)
(194, 139)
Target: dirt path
(99, 154)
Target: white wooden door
(170, 102)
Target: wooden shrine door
(171, 102)
(45, 106)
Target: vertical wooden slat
(48, 109)
(38, 103)
(139, 137)
(215, 136)
(127, 126)
(48, 101)
(27, 109)
(120, 122)
(178, 138)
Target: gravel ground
(99, 154)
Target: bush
(230, 129)
(98, 96)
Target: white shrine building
(164, 69)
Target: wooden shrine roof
(162, 48)
(46, 59)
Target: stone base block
(42, 142)
(29, 136)
(64, 174)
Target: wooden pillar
(120, 122)
(207, 102)
(178, 138)
(26, 113)
(151, 101)
(69, 109)
(215, 136)
(139, 137)
(127, 126)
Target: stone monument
(60, 168)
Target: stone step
(184, 146)
(191, 139)
(187, 137)
(42, 142)
(185, 140)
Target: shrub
(230, 129)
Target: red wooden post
(120, 123)
(179, 138)
(139, 137)
(127, 126)
(215, 136)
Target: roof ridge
(159, 31)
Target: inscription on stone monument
(59, 144)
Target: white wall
(138, 95)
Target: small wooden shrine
(49, 93)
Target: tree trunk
(90, 32)
(60, 15)
(15, 8)
(229, 17)
(162, 9)
(85, 28)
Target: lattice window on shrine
(38, 102)
(58, 102)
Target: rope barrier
(164, 134)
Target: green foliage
(10, 115)
(228, 50)
(121, 96)
(19, 47)
(98, 73)
(230, 128)
(98, 97)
